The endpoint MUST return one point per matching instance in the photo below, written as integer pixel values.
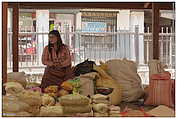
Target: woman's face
(52, 39)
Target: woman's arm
(45, 57)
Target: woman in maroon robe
(56, 56)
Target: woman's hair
(59, 42)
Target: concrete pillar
(123, 40)
(78, 21)
(137, 19)
(42, 25)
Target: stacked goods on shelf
(114, 111)
(100, 105)
(75, 103)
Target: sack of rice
(49, 111)
(13, 88)
(114, 108)
(12, 104)
(99, 97)
(17, 77)
(101, 101)
(47, 100)
(30, 97)
(87, 87)
(101, 108)
(77, 109)
(74, 99)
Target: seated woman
(56, 56)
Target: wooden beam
(15, 37)
(146, 5)
(80, 5)
(155, 30)
(4, 40)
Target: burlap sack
(17, 77)
(30, 97)
(74, 99)
(100, 108)
(12, 104)
(49, 111)
(77, 109)
(13, 88)
(125, 73)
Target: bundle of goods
(75, 103)
(114, 111)
(125, 73)
(47, 100)
(13, 88)
(33, 99)
(47, 111)
(84, 67)
(17, 77)
(12, 106)
(105, 81)
(161, 84)
(100, 104)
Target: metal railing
(96, 46)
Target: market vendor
(56, 56)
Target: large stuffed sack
(77, 109)
(99, 97)
(106, 81)
(12, 104)
(30, 97)
(101, 108)
(17, 77)
(13, 88)
(125, 73)
(87, 85)
(47, 100)
(74, 99)
(51, 111)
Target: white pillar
(137, 18)
(42, 25)
(78, 21)
(124, 41)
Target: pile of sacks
(75, 103)
(114, 111)
(100, 104)
(20, 102)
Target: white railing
(96, 46)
